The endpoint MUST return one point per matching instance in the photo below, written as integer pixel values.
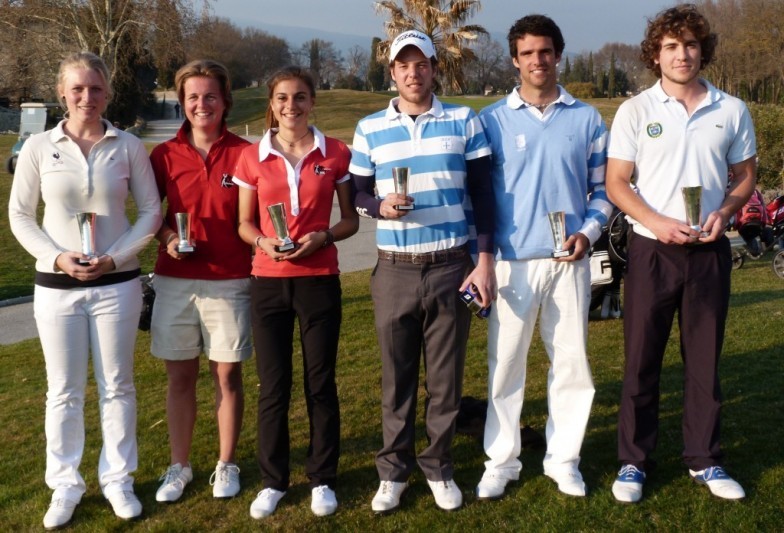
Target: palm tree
(444, 21)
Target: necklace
(292, 143)
(540, 107)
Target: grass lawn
(752, 432)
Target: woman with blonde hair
(86, 303)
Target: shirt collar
(185, 129)
(58, 133)
(436, 109)
(514, 101)
(714, 95)
(265, 144)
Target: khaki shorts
(191, 316)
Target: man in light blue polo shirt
(548, 156)
(424, 262)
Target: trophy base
(185, 248)
(561, 253)
(85, 262)
(285, 247)
(404, 207)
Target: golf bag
(608, 261)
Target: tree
(445, 22)
(611, 78)
(323, 60)
(121, 32)
(376, 71)
(491, 68)
(261, 54)
(220, 40)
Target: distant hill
(295, 36)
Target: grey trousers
(418, 311)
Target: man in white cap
(424, 261)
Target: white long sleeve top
(51, 167)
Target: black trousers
(316, 302)
(662, 279)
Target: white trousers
(560, 294)
(72, 324)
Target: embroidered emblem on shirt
(320, 170)
(720, 126)
(654, 130)
(520, 142)
(446, 143)
(56, 159)
(226, 181)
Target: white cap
(412, 38)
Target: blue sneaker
(719, 483)
(628, 486)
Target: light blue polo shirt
(544, 165)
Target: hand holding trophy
(185, 246)
(558, 229)
(692, 199)
(277, 213)
(86, 223)
(400, 177)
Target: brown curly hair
(674, 22)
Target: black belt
(425, 258)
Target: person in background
(86, 305)
(549, 155)
(423, 262)
(295, 165)
(203, 297)
(680, 132)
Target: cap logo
(409, 35)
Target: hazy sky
(586, 24)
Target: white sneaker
(493, 484)
(447, 494)
(323, 501)
(719, 483)
(174, 481)
(125, 504)
(225, 480)
(569, 480)
(59, 513)
(628, 485)
(387, 499)
(265, 503)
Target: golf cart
(36, 118)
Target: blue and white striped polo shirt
(435, 147)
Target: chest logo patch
(654, 130)
(520, 142)
(446, 144)
(226, 181)
(320, 170)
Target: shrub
(769, 127)
(582, 89)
